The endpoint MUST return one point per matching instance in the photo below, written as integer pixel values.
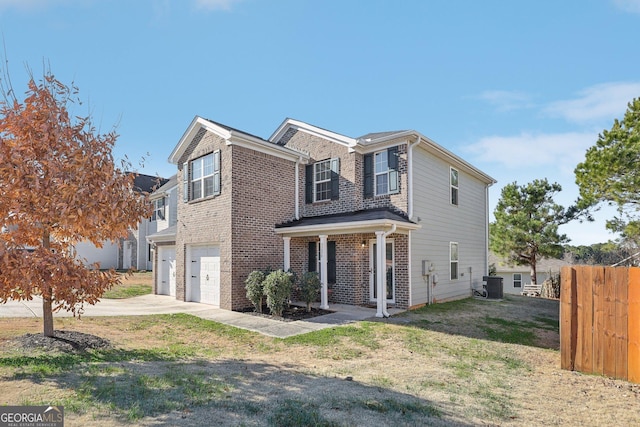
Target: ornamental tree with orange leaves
(59, 185)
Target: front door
(389, 267)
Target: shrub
(255, 290)
(309, 288)
(277, 288)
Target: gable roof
(147, 183)
(232, 136)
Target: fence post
(568, 318)
(633, 328)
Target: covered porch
(346, 250)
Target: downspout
(381, 273)
(410, 176)
(297, 189)
(486, 240)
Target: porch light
(364, 243)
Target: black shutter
(368, 176)
(335, 179)
(331, 262)
(308, 185)
(392, 157)
(312, 256)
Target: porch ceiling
(367, 221)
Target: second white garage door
(167, 271)
(205, 275)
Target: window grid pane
(322, 180)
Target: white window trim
(519, 280)
(453, 187)
(159, 212)
(214, 175)
(316, 182)
(392, 177)
(456, 261)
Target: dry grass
(454, 364)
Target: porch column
(287, 253)
(381, 274)
(324, 294)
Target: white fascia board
(373, 145)
(356, 227)
(312, 130)
(196, 124)
(262, 146)
(161, 239)
(158, 194)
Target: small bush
(255, 290)
(309, 288)
(277, 287)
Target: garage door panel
(205, 275)
(167, 271)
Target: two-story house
(387, 218)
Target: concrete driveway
(161, 304)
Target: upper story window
(453, 257)
(381, 173)
(201, 177)
(322, 181)
(158, 209)
(453, 180)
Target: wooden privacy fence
(600, 321)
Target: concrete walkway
(161, 304)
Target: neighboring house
(514, 277)
(162, 235)
(309, 199)
(132, 252)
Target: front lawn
(138, 283)
(465, 363)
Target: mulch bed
(62, 342)
(289, 314)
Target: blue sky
(518, 88)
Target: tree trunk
(534, 274)
(47, 317)
(47, 313)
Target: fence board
(598, 319)
(568, 318)
(584, 348)
(622, 281)
(609, 323)
(633, 328)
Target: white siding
(107, 255)
(442, 223)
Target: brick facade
(258, 192)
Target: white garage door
(166, 271)
(205, 275)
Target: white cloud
(505, 100)
(600, 102)
(561, 151)
(215, 4)
(632, 6)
